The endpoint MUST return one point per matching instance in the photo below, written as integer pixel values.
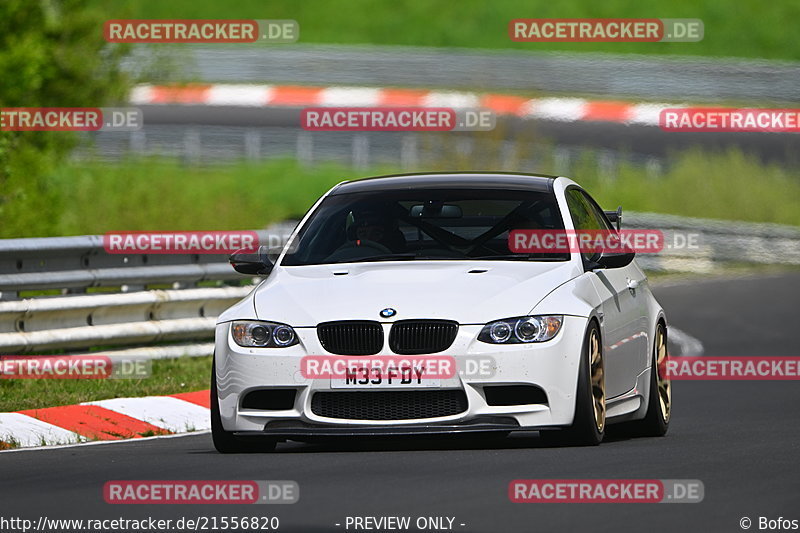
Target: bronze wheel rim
(662, 380)
(598, 380)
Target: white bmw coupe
(418, 270)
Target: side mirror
(252, 263)
(615, 217)
(613, 260)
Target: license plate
(378, 378)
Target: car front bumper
(551, 366)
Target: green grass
(8, 442)
(164, 195)
(169, 376)
(746, 28)
(728, 187)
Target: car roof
(449, 180)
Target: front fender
(576, 297)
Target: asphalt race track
(742, 439)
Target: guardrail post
(653, 168)
(561, 160)
(465, 146)
(137, 141)
(606, 164)
(409, 158)
(305, 148)
(508, 155)
(191, 146)
(252, 144)
(361, 152)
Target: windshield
(424, 224)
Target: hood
(470, 293)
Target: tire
(226, 441)
(589, 424)
(659, 408)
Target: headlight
(263, 334)
(521, 330)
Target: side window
(579, 210)
(597, 213)
(582, 217)
(586, 215)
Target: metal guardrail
(140, 311)
(410, 151)
(630, 75)
(718, 242)
(74, 264)
(82, 322)
(185, 313)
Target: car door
(623, 305)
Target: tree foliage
(52, 54)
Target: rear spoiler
(615, 217)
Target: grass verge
(169, 376)
(752, 29)
(164, 195)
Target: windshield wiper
(518, 257)
(385, 257)
(406, 257)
